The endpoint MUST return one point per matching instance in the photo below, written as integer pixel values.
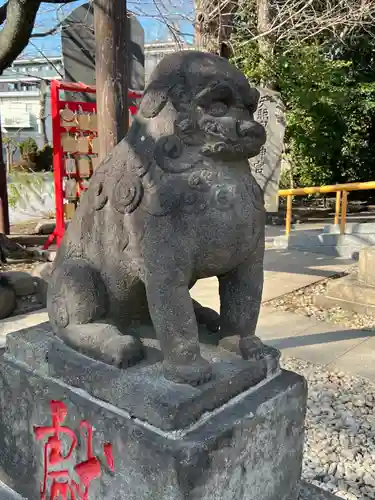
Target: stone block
(350, 294)
(23, 283)
(142, 391)
(248, 448)
(351, 289)
(366, 269)
(45, 227)
(327, 302)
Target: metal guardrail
(341, 190)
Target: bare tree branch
(3, 8)
(52, 31)
(16, 32)
(300, 20)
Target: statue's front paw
(123, 351)
(251, 348)
(194, 372)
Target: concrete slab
(359, 360)
(285, 272)
(321, 344)
(290, 270)
(329, 241)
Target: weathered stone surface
(249, 449)
(266, 166)
(366, 269)
(174, 202)
(22, 282)
(142, 390)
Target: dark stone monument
(78, 50)
(128, 391)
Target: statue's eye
(218, 109)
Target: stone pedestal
(159, 441)
(355, 292)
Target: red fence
(75, 148)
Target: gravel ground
(302, 302)
(340, 431)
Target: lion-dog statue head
(199, 102)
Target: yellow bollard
(338, 206)
(344, 209)
(288, 222)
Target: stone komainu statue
(174, 202)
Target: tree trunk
(112, 69)
(42, 111)
(214, 26)
(265, 42)
(15, 35)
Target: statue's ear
(153, 101)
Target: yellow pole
(354, 186)
(344, 209)
(288, 224)
(338, 206)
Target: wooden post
(344, 209)
(288, 225)
(338, 207)
(112, 69)
(4, 206)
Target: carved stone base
(142, 390)
(248, 447)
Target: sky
(147, 12)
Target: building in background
(20, 98)
(155, 51)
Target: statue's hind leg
(77, 304)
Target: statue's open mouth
(241, 133)
(238, 149)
